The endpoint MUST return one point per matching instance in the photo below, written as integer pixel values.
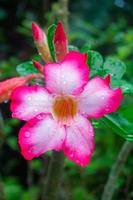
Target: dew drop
(39, 117)
(16, 113)
(107, 109)
(77, 161)
(27, 134)
(29, 98)
(71, 155)
(102, 97)
(30, 150)
(36, 110)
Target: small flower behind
(57, 114)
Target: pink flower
(57, 114)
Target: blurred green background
(104, 26)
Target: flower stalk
(54, 177)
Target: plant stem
(30, 179)
(54, 178)
(110, 186)
(63, 13)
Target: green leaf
(95, 62)
(127, 111)
(86, 48)
(72, 48)
(114, 67)
(26, 68)
(127, 88)
(50, 35)
(119, 125)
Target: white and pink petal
(98, 98)
(79, 142)
(39, 135)
(68, 76)
(29, 101)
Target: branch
(116, 170)
(30, 179)
(61, 13)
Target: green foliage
(13, 191)
(26, 68)
(114, 67)
(95, 62)
(120, 125)
(72, 48)
(127, 88)
(94, 59)
(7, 67)
(50, 35)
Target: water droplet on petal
(71, 155)
(77, 161)
(30, 151)
(14, 114)
(107, 109)
(36, 110)
(27, 134)
(29, 98)
(39, 117)
(102, 97)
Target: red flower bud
(41, 42)
(7, 86)
(38, 34)
(60, 42)
(38, 66)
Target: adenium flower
(57, 115)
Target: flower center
(65, 108)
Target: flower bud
(60, 42)
(41, 42)
(38, 66)
(7, 86)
